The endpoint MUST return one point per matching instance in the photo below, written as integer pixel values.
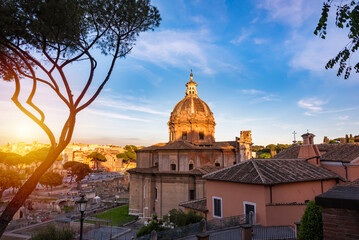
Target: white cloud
(292, 12)
(175, 48)
(252, 91)
(264, 97)
(259, 41)
(313, 53)
(114, 115)
(312, 104)
(243, 36)
(267, 98)
(106, 102)
(346, 117)
(316, 106)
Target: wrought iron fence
(192, 229)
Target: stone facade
(170, 173)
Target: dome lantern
(191, 86)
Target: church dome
(191, 119)
(191, 105)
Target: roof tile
(271, 171)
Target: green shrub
(53, 233)
(311, 226)
(179, 218)
(154, 224)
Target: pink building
(341, 158)
(276, 191)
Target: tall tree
(40, 39)
(51, 179)
(129, 155)
(80, 170)
(347, 17)
(97, 158)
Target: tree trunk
(28, 187)
(1, 192)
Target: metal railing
(192, 229)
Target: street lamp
(82, 204)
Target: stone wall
(340, 223)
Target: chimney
(308, 150)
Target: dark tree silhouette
(347, 17)
(51, 179)
(40, 39)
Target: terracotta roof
(341, 152)
(184, 145)
(271, 171)
(199, 204)
(289, 153)
(341, 196)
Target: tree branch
(104, 81)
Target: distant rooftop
(340, 152)
(272, 171)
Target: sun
(25, 130)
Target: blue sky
(258, 65)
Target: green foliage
(129, 154)
(117, 215)
(311, 226)
(179, 218)
(51, 179)
(54, 233)
(9, 178)
(97, 157)
(266, 151)
(80, 170)
(347, 17)
(265, 155)
(38, 156)
(69, 164)
(154, 224)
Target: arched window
(190, 166)
(173, 167)
(184, 135)
(201, 135)
(217, 164)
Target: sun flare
(25, 130)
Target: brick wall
(340, 223)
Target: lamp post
(82, 204)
